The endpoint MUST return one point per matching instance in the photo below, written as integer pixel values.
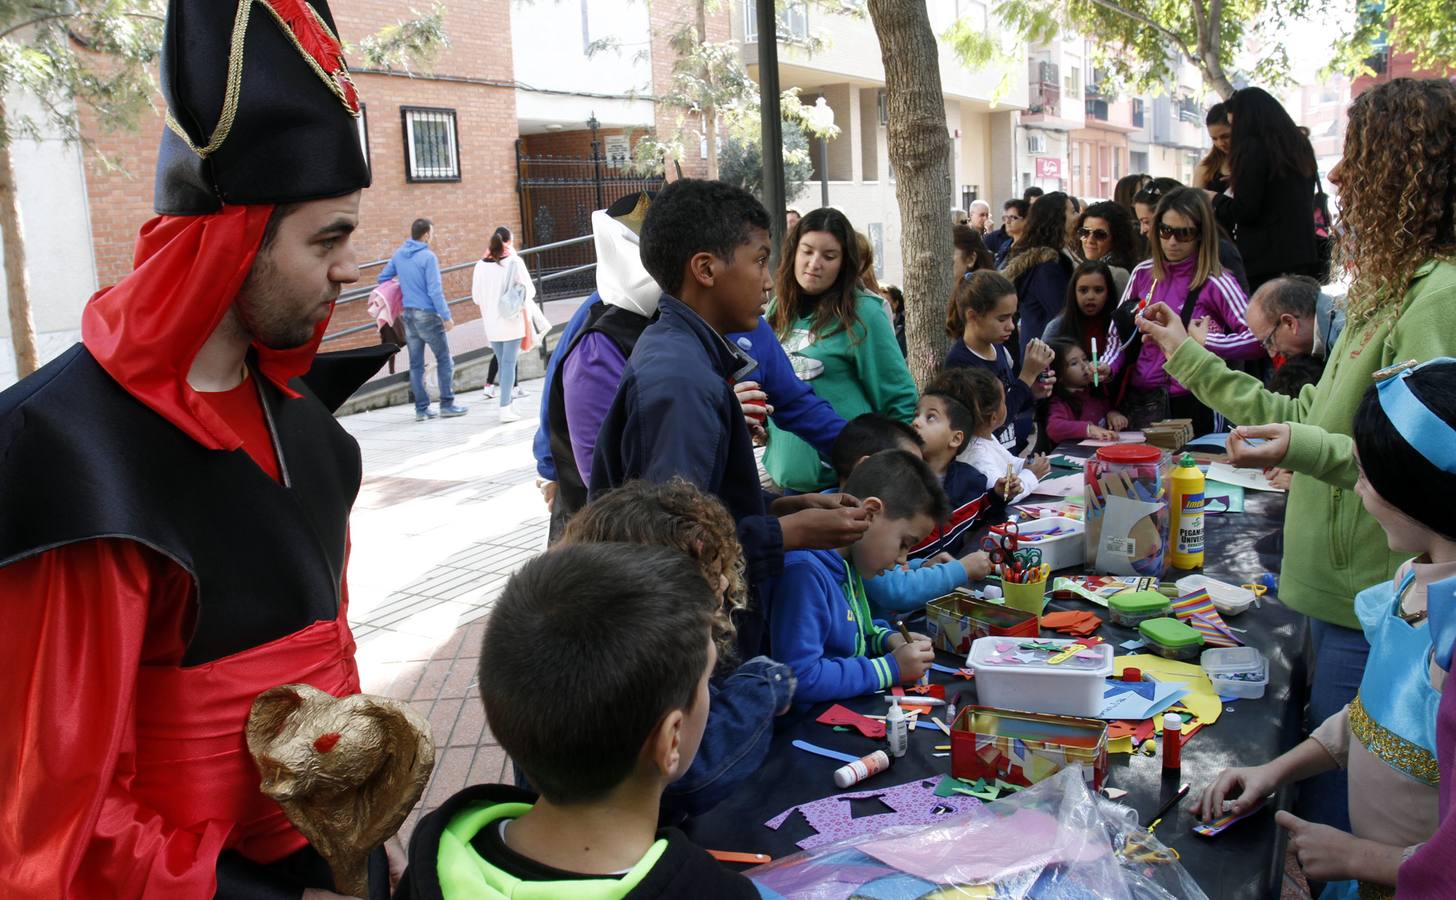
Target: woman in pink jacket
(1184, 272)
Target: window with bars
(432, 152)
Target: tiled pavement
(448, 510)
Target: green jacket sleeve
(883, 374)
(1424, 330)
(1238, 395)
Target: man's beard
(268, 312)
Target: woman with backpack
(503, 290)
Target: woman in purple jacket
(1184, 273)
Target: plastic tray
(1229, 599)
(1060, 551)
(1225, 664)
(1131, 608)
(1064, 690)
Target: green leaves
(414, 41)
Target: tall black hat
(260, 108)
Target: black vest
(80, 459)
(623, 327)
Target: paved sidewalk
(448, 510)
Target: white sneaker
(489, 391)
(509, 415)
(519, 393)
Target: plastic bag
(1052, 840)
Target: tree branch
(36, 21)
(1139, 17)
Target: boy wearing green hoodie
(627, 692)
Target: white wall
(548, 46)
(57, 227)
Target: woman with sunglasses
(1185, 274)
(1401, 306)
(1269, 204)
(1105, 233)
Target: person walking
(426, 318)
(503, 290)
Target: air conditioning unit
(1036, 143)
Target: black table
(1245, 861)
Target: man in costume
(174, 491)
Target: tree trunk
(17, 285)
(710, 113)
(920, 157)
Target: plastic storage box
(1236, 671)
(1171, 638)
(1132, 608)
(955, 620)
(1064, 544)
(1228, 599)
(1024, 748)
(1017, 673)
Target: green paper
(841, 728)
(947, 786)
(1233, 492)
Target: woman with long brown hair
(839, 339)
(1397, 184)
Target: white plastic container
(1060, 551)
(1070, 688)
(1236, 671)
(1228, 599)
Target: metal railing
(359, 293)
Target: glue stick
(897, 730)
(1172, 741)
(862, 768)
(1187, 520)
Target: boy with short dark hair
(945, 425)
(627, 714)
(675, 414)
(866, 435)
(821, 624)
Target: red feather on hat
(318, 43)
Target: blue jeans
(421, 327)
(1339, 664)
(506, 352)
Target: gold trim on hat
(334, 80)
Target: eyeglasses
(1011, 218)
(1094, 233)
(1181, 235)
(1267, 342)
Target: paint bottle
(1172, 741)
(897, 730)
(1187, 524)
(860, 769)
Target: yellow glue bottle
(1187, 519)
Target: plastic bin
(1236, 671)
(1171, 638)
(1062, 550)
(1131, 608)
(1228, 599)
(1009, 677)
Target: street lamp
(822, 118)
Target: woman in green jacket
(838, 338)
(1397, 185)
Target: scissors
(1029, 559)
(1258, 590)
(1139, 848)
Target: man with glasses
(1291, 317)
(1013, 220)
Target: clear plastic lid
(1231, 660)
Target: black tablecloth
(1245, 861)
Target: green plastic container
(1171, 638)
(1132, 608)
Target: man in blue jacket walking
(426, 318)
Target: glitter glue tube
(897, 730)
(1172, 741)
(862, 768)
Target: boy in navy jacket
(820, 619)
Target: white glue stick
(897, 730)
(862, 768)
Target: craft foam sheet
(912, 803)
(1201, 699)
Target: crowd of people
(176, 492)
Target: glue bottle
(1187, 521)
(897, 730)
(860, 769)
(1172, 741)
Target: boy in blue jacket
(706, 244)
(820, 620)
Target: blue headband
(1425, 431)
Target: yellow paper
(1201, 700)
(1120, 745)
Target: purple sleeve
(589, 384)
(1063, 424)
(1224, 301)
